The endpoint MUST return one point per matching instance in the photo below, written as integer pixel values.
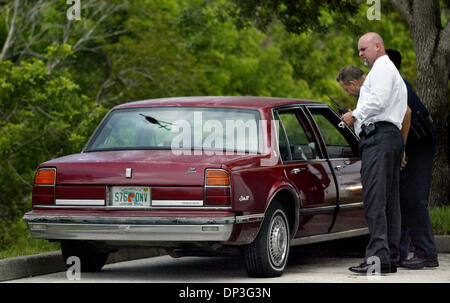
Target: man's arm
(406, 124)
(405, 130)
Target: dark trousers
(381, 155)
(415, 181)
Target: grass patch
(440, 220)
(15, 241)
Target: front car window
(340, 142)
(181, 128)
(299, 144)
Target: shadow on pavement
(342, 248)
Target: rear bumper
(56, 227)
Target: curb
(46, 263)
(442, 244)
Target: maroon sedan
(204, 176)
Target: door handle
(339, 167)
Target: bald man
(377, 120)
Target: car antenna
(342, 110)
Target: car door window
(340, 142)
(299, 144)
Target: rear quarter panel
(255, 183)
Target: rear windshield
(179, 128)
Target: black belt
(369, 129)
(384, 123)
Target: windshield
(179, 128)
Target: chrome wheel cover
(278, 240)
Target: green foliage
(440, 220)
(298, 16)
(43, 116)
(17, 241)
(190, 48)
(326, 40)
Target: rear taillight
(216, 177)
(44, 186)
(217, 188)
(45, 176)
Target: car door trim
(351, 206)
(317, 210)
(330, 236)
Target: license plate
(130, 196)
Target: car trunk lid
(144, 167)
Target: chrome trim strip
(129, 232)
(249, 218)
(79, 202)
(127, 208)
(318, 210)
(330, 236)
(351, 206)
(62, 219)
(187, 208)
(177, 203)
(218, 186)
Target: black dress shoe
(364, 267)
(419, 263)
(400, 263)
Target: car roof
(223, 101)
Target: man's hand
(348, 118)
(404, 160)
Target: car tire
(92, 259)
(267, 255)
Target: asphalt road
(320, 263)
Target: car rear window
(179, 128)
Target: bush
(16, 241)
(440, 220)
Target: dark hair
(395, 57)
(348, 73)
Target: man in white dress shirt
(377, 120)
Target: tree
(29, 27)
(431, 42)
(42, 116)
(188, 48)
(432, 47)
(45, 109)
